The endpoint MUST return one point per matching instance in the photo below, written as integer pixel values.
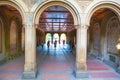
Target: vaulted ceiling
(56, 19)
(10, 11)
(100, 14)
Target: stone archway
(21, 10)
(66, 5)
(107, 41)
(112, 32)
(11, 8)
(81, 66)
(16, 4)
(30, 65)
(114, 6)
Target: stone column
(23, 39)
(30, 52)
(81, 52)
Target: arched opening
(63, 38)
(56, 37)
(12, 24)
(56, 17)
(48, 37)
(104, 34)
(55, 20)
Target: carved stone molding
(77, 26)
(30, 25)
(84, 27)
(81, 26)
(30, 3)
(83, 3)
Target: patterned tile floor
(57, 64)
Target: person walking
(55, 44)
(48, 44)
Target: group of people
(55, 43)
(71, 43)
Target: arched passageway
(48, 37)
(54, 21)
(26, 30)
(63, 38)
(104, 34)
(11, 24)
(55, 37)
(11, 27)
(56, 18)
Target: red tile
(54, 66)
(9, 76)
(104, 75)
(96, 65)
(55, 76)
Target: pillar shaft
(81, 51)
(23, 39)
(30, 51)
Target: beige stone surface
(30, 3)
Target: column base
(81, 74)
(29, 74)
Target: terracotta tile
(55, 76)
(104, 75)
(9, 76)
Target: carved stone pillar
(81, 52)
(23, 39)
(30, 52)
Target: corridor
(57, 64)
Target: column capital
(81, 26)
(84, 26)
(30, 25)
(77, 26)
